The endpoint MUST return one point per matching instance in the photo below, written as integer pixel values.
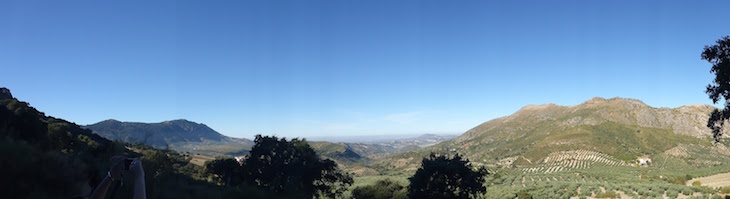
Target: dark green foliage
(30, 173)
(292, 167)
(383, 189)
(444, 177)
(45, 156)
(227, 170)
(719, 56)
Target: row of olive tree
(443, 177)
(290, 168)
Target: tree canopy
(719, 56)
(292, 167)
(442, 177)
(226, 169)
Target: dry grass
(200, 159)
(714, 181)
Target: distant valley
(621, 145)
(387, 138)
(187, 136)
(617, 131)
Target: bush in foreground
(383, 189)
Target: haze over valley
(376, 99)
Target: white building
(644, 161)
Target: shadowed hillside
(47, 157)
(179, 135)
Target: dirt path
(523, 182)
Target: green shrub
(384, 189)
(687, 191)
(697, 184)
(672, 194)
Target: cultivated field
(714, 181)
(569, 160)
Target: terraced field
(594, 182)
(569, 160)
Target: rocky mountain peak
(5, 93)
(614, 101)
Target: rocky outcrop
(5, 93)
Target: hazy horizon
(374, 136)
(330, 68)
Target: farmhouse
(643, 160)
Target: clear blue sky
(319, 68)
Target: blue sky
(336, 68)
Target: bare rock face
(5, 93)
(686, 120)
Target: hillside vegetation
(47, 157)
(180, 135)
(617, 130)
(587, 150)
(544, 151)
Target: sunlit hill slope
(603, 131)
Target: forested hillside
(47, 157)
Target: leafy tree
(383, 189)
(719, 56)
(292, 167)
(444, 177)
(225, 169)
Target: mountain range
(610, 131)
(187, 136)
(618, 130)
(179, 135)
